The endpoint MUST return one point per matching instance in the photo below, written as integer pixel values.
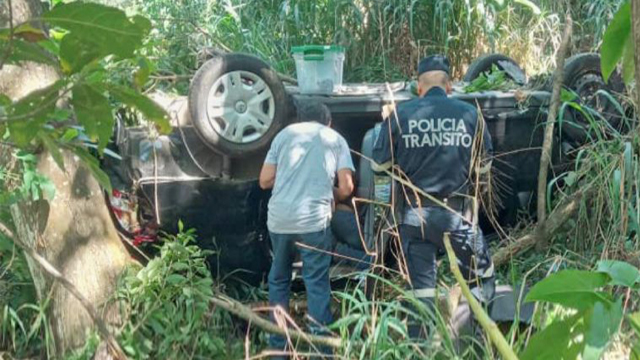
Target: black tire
(582, 74)
(206, 77)
(485, 63)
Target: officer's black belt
(455, 202)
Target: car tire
(582, 74)
(237, 104)
(485, 63)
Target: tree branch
(543, 231)
(246, 313)
(51, 270)
(485, 321)
(545, 157)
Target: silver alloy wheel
(240, 106)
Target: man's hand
(267, 176)
(345, 185)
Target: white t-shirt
(307, 157)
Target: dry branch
(545, 157)
(57, 276)
(485, 321)
(246, 313)
(543, 231)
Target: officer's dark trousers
(422, 234)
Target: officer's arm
(382, 149)
(345, 185)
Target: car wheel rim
(240, 107)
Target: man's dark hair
(314, 111)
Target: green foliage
(490, 80)
(384, 39)
(24, 326)
(88, 41)
(29, 184)
(596, 317)
(618, 45)
(95, 31)
(167, 307)
(571, 288)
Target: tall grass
(384, 39)
(607, 168)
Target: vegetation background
(384, 40)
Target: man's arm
(268, 173)
(345, 185)
(267, 176)
(345, 173)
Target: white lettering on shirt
(437, 132)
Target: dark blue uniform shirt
(432, 141)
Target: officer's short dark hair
(312, 110)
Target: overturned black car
(205, 172)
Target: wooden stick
(485, 321)
(246, 313)
(57, 276)
(545, 157)
(543, 230)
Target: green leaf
(94, 113)
(5, 100)
(69, 135)
(27, 116)
(23, 31)
(614, 40)
(76, 53)
(570, 288)
(94, 167)
(571, 178)
(142, 74)
(174, 279)
(52, 148)
(602, 322)
(634, 321)
(536, 10)
(635, 352)
(148, 108)
(107, 28)
(628, 61)
(549, 343)
(621, 273)
(26, 51)
(567, 95)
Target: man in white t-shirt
(301, 167)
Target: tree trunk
(73, 231)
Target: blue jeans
(315, 274)
(344, 225)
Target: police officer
(432, 141)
